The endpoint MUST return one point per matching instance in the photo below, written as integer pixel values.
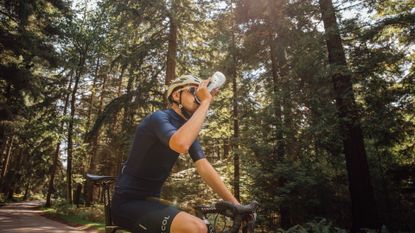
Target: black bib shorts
(143, 216)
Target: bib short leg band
(143, 216)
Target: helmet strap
(183, 110)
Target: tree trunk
(120, 156)
(127, 118)
(92, 97)
(226, 148)
(92, 164)
(3, 149)
(126, 121)
(92, 146)
(361, 191)
(172, 47)
(101, 99)
(52, 175)
(9, 145)
(13, 174)
(289, 142)
(26, 192)
(279, 71)
(235, 117)
(3, 142)
(235, 147)
(71, 126)
(279, 149)
(119, 90)
(56, 156)
(171, 52)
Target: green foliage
(30, 88)
(321, 226)
(382, 74)
(301, 191)
(88, 217)
(186, 188)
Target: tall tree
(53, 168)
(28, 77)
(364, 210)
(235, 113)
(78, 73)
(172, 43)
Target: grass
(84, 217)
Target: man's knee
(195, 226)
(186, 223)
(200, 227)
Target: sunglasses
(191, 90)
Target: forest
(315, 121)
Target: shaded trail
(24, 217)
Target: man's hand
(214, 92)
(203, 93)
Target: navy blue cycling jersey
(151, 160)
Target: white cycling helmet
(182, 81)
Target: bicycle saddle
(97, 178)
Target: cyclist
(159, 139)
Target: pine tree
(364, 210)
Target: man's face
(188, 97)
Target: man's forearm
(187, 134)
(211, 177)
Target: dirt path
(24, 217)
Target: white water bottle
(217, 81)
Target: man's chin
(191, 112)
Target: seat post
(105, 194)
(107, 203)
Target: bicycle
(241, 215)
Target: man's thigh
(145, 216)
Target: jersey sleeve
(162, 127)
(195, 151)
